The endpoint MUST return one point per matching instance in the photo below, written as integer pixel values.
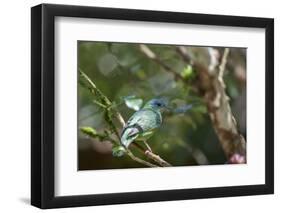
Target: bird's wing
(145, 120)
(141, 122)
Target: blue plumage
(143, 122)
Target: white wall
(15, 105)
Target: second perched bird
(143, 122)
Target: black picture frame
(43, 117)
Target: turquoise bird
(142, 123)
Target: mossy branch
(92, 133)
(109, 112)
(103, 102)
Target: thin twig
(147, 146)
(109, 110)
(151, 55)
(105, 102)
(152, 156)
(184, 54)
(222, 65)
(90, 132)
(146, 163)
(157, 159)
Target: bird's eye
(158, 104)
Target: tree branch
(151, 55)
(110, 111)
(104, 100)
(212, 88)
(133, 157)
(152, 156)
(92, 133)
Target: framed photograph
(140, 106)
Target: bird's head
(157, 104)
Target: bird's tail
(128, 136)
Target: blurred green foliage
(129, 79)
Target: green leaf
(118, 151)
(187, 72)
(89, 131)
(133, 103)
